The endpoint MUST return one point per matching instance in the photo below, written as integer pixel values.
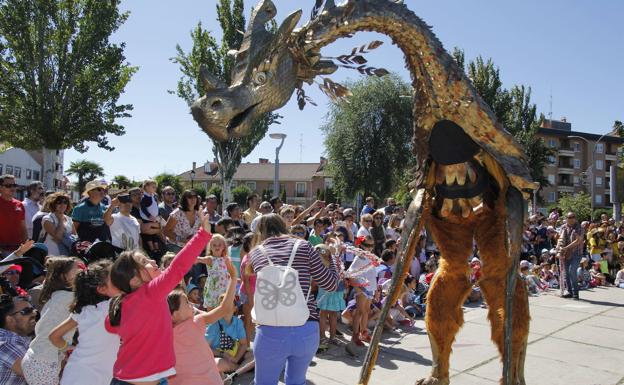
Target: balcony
(612, 157)
(566, 152)
(565, 188)
(566, 169)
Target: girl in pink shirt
(141, 315)
(195, 362)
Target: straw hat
(96, 183)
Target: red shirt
(12, 215)
(146, 328)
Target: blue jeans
(276, 347)
(571, 267)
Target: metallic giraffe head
(264, 77)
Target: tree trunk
(226, 183)
(48, 171)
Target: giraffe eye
(260, 78)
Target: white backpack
(279, 300)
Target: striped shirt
(307, 262)
(12, 348)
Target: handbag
(227, 344)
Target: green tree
(61, 76)
(208, 53)
(85, 171)
(165, 179)
(368, 137)
(513, 108)
(579, 204)
(122, 182)
(240, 194)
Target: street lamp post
(592, 167)
(193, 176)
(281, 137)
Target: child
(330, 303)
(140, 316)
(149, 213)
(193, 295)
(248, 286)
(95, 354)
(42, 363)
(619, 278)
(409, 300)
(195, 362)
(584, 278)
(217, 277)
(228, 340)
(546, 275)
(598, 279)
(365, 282)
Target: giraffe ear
(288, 25)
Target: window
(35, 175)
(28, 173)
(577, 147)
(576, 180)
(9, 169)
(551, 179)
(598, 199)
(599, 164)
(598, 181)
(577, 163)
(251, 185)
(300, 189)
(552, 143)
(599, 148)
(552, 159)
(552, 196)
(58, 167)
(18, 172)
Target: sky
(570, 52)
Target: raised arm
(305, 212)
(160, 286)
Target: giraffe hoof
(433, 381)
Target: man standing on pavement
(34, 195)
(167, 206)
(17, 322)
(570, 252)
(252, 206)
(12, 217)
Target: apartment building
(577, 158)
(301, 181)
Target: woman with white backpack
(287, 318)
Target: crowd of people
(152, 287)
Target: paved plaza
(571, 342)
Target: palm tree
(122, 182)
(85, 171)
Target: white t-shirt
(55, 311)
(367, 275)
(30, 207)
(363, 232)
(51, 244)
(125, 232)
(96, 352)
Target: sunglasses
(169, 193)
(571, 217)
(298, 234)
(10, 185)
(367, 245)
(62, 202)
(25, 311)
(11, 272)
(98, 189)
(368, 221)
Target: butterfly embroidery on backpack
(272, 294)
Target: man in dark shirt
(166, 207)
(88, 215)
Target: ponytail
(114, 310)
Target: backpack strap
(294, 252)
(263, 251)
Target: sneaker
(333, 341)
(576, 297)
(339, 333)
(568, 295)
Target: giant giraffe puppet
(469, 183)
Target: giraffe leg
(490, 236)
(449, 290)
